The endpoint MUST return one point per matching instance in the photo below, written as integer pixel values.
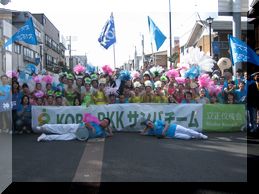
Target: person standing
(253, 102)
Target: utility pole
(143, 51)
(236, 24)
(170, 33)
(70, 57)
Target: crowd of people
(152, 84)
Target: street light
(209, 20)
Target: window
(55, 61)
(47, 40)
(38, 34)
(9, 47)
(55, 46)
(28, 53)
(17, 48)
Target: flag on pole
(241, 52)
(156, 34)
(107, 36)
(26, 34)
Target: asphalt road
(130, 157)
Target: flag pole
(114, 59)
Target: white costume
(61, 132)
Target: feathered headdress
(156, 71)
(39, 94)
(102, 81)
(107, 70)
(58, 93)
(79, 69)
(193, 72)
(172, 73)
(94, 77)
(163, 78)
(135, 75)
(204, 81)
(50, 93)
(136, 84)
(148, 83)
(111, 91)
(70, 76)
(87, 80)
(12, 74)
(158, 84)
(125, 75)
(214, 89)
(196, 57)
(48, 79)
(180, 80)
(90, 118)
(37, 79)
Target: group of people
(152, 84)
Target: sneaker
(41, 137)
(204, 136)
(39, 128)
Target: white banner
(126, 117)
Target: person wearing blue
(23, 122)
(5, 97)
(70, 131)
(162, 130)
(241, 93)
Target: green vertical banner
(223, 117)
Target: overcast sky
(84, 20)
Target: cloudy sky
(84, 20)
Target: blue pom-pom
(125, 75)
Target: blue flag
(241, 52)
(156, 34)
(107, 37)
(26, 34)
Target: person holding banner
(91, 128)
(162, 130)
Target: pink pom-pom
(180, 80)
(214, 89)
(204, 81)
(48, 79)
(79, 69)
(12, 74)
(135, 74)
(172, 73)
(90, 118)
(107, 69)
(39, 94)
(37, 79)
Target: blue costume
(159, 127)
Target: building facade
(48, 54)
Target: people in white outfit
(68, 131)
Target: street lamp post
(209, 20)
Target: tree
(174, 59)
